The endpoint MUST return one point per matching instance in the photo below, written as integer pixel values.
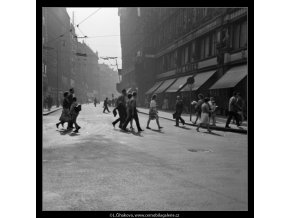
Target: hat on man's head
(206, 99)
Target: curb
(243, 131)
(47, 113)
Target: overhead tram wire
(89, 16)
(70, 30)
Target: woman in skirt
(153, 113)
(65, 115)
(205, 110)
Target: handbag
(174, 115)
(78, 108)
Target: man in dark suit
(121, 107)
(133, 113)
(70, 99)
(179, 109)
(106, 102)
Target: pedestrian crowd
(126, 107)
(70, 111)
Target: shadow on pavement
(157, 130)
(136, 134)
(64, 131)
(212, 133)
(74, 134)
(184, 127)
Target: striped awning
(153, 88)
(178, 84)
(165, 85)
(231, 78)
(199, 80)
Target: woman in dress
(153, 113)
(205, 110)
(65, 115)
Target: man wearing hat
(70, 99)
(121, 107)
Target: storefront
(235, 79)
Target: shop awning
(231, 78)
(153, 88)
(199, 80)
(178, 84)
(164, 85)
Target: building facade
(66, 62)
(163, 47)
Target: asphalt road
(102, 168)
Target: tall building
(66, 62)
(163, 47)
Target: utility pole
(57, 66)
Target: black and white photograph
(145, 109)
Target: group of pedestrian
(235, 109)
(198, 108)
(205, 111)
(70, 111)
(126, 106)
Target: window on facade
(175, 58)
(213, 45)
(239, 35)
(204, 12)
(218, 36)
(243, 34)
(186, 55)
(236, 37)
(206, 47)
(182, 56)
(201, 49)
(192, 52)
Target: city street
(177, 168)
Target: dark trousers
(231, 115)
(177, 120)
(106, 108)
(130, 117)
(122, 116)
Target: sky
(103, 23)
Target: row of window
(203, 47)
(177, 25)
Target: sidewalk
(220, 124)
(53, 109)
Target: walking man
(233, 111)
(121, 107)
(95, 102)
(178, 112)
(133, 113)
(198, 107)
(74, 112)
(106, 105)
(240, 105)
(70, 100)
